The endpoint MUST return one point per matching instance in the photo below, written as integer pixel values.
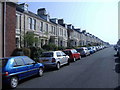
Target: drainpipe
(20, 31)
(24, 32)
(4, 55)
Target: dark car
(73, 54)
(17, 68)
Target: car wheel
(85, 55)
(13, 82)
(58, 66)
(40, 73)
(74, 59)
(68, 62)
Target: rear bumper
(6, 80)
(49, 65)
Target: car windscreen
(67, 52)
(3, 62)
(79, 50)
(89, 48)
(48, 54)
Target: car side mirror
(35, 62)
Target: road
(94, 71)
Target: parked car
(97, 48)
(73, 54)
(118, 51)
(83, 51)
(18, 68)
(94, 48)
(90, 49)
(54, 59)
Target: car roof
(68, 49)
(51, 51)
(82, 47)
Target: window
(28, 61)
(17, 42)
(46, 27)
(60, 31)
(67, 52)
(18, 21)
(47, 54)
(52, 29)
(30, 23)
(34, 24)
(63, 54)
(19, 61)
(14, 64)
(73, 51)
(58, 54)
(41, 26)
(56, 31)
(64, 32)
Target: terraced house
(16, 20)
(46, 30)
(49, 30)
(73, 36)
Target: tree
(30, 39)
(50, 46)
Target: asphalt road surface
(94, 71)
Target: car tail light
(6, 73)
(53, 60)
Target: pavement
(99, 70)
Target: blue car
(91, 50)
(17, 68)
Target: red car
(73, 54)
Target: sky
(98, 18)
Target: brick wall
(10, 28)
(1, 24)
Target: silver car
(54, 59)
(83, 51)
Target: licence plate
(45, 60)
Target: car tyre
(58, 66)
(13, 82)
(68, 62)
(40, 72)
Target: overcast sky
(98, 18)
